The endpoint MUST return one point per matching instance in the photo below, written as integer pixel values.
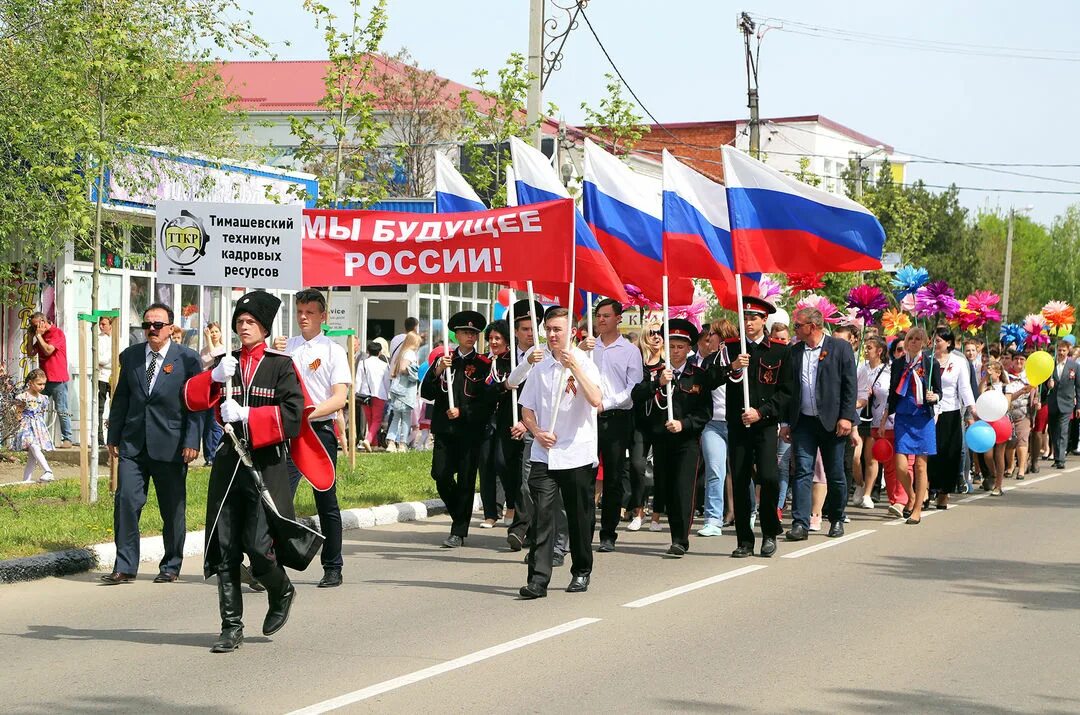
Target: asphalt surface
(974, 610)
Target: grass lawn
(36, 518)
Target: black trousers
(524, 509)
(242, 528)
(753, 459)
(132, 482)
(1074, 434)
(942, 467)
(326, 503)
(102, 394)
(494, 474)
(676, 457)
(454, 463)
(578, 489)
(640, 444)
(614, 432)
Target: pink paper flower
(829, 312)
(936, 298)
(867, 301)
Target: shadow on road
(125, 635)
(923, 701)
(122, 704)
(450, 585)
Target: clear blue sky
(685, 61)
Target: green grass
(37, 518)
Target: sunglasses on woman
(655, 333)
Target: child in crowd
(33, 435)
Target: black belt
(614, 413)
(323, 424)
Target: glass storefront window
(190, 317)
(140, 300)
(142, 248)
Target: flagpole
(588, 321)
(538, 320)
(742, 343)
(667, 347)
(569, 324)
(513, 359)
(444, 306)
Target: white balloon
(991, 406)
(780, 316)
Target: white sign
(249, 245)
(338, 317)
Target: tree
(342, 147)
(615, 119)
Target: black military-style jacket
(691, 398)
(472, 396)
(770, 377)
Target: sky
(982, 101)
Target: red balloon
(504, 297)
(882, 450)
(435, 355)
(1003, 428)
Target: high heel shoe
(913, 521)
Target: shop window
(142, 249)
(190, 318)
(139, 301)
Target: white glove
(232, 411)
(225, 369)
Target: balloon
(500, 311)
(1039, 367)
(780, 316)
(992, 406)
(1070, 339)
(882, 450)
(435, 355)
(423, 370)
(980, 437)
(1003, 429)
(505, 297)
(453, 336)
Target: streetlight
(1008, 262)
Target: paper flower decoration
(1013, 334)
(983, 302)
(829, 312)
(893, 321)
(769, 289)
(639, 300)
(908, 280)
(799, 282)
(852, 318)
(1037, 334)
(966, 319)
(693, 312)
(867, 301)
(1059, 314)
(936, 298)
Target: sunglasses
(655, 333)
(798, 325)
(156, 325)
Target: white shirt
(158, 363)
(322, 363)
(808, 376)
(719, 395)
(956, 391)
(373, 377)
(521, 371)
(876, 381)
(575, 429)
(104, 355)
(620, 370)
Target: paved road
(975, 610)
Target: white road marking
(827, 544)
(664, 595)
(466, 660)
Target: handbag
(866, 413)
(363, 397)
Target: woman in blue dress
(913, 392)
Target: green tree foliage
(615, 119)
(343, 146)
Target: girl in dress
(953, 410)
(993, 461)
(33, 435)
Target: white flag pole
(742, 343)
(667, 346)
(513, 358)
(538, 320)
(588, 322)
(570, 325)
(445, 309)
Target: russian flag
(452, 193)
(624, 211)
(781, 225)
(697, 240)
(535, 181)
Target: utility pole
(1008, 269)
(858, 177)
(746, 27)
(536, 67)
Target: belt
(614, 413)
(325, 424)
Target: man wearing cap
(459, 430)
(676, 441)
(259, 393)
(620, 368)
(564, 454)
(324, 368)
(766, 367)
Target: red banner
(367, 248)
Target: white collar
(162, 352)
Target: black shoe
(677, 551)
(578, 584)
(252, 582)
(797, 533)
(1059, 465)
(743, 551)
(1034, 469)
(514, 541)
(453, 541)
(231, 605)
(1020, 477)
(116, 577)
(836, 529)
(331, 578)
(280, 594)
(768, 546)
(558, 559)
(166, 577)
(606, 546)
(532, 590)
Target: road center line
(466, 660)
(827, 544)
(664, 595)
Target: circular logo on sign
(183, 242)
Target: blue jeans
(714, 449)
(400, 426)
(807, 438)
(57, 392)
(783, 469)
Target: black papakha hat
(261, 305)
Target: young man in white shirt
(620, 368)
(563, 456)
(324, 369)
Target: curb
(151, 548)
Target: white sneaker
(860, 492)
(47, 477)
(815, 523)
(655, 526)
(634, 524)
(710, 530)
(867, 502)
(847, 519)
(391, 446)
(896, 510)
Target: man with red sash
(257, 391)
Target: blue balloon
(423, 370)
(980, 437)
(500, 311)
(1070, 339)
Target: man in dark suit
(1063, 401)
(153, 436)
(821, 416)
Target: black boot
(231, 603)
(280, 593)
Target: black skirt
(943, 468)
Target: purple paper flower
(936, 298)
(867, 300)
